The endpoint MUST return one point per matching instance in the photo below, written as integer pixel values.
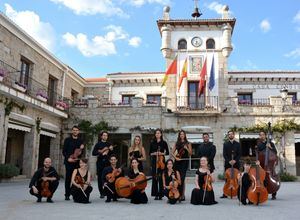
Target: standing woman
(170, 175)
(81, 183)
(158, 149)
(203, 194)
(137, 151)
(181, 152)
(138, 196)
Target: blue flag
(212, 82)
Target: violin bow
(83, 192)
(106, 186)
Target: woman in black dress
(168, 176)
(181, 152)
(138, 196)
(81, 183)
(137, 151)
(203, 194)
(244, 183)
(158, 149)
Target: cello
(125, 186)
(231, 186)
(268, 159)
(257, 193)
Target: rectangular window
(52, 86)
(74, 95)
(245, 98)
(195, 101)
(154, 99)
(25, 71)
(294, 96)
(127, 99)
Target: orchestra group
(250, 181)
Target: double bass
(231, 186)
(268, 160)
(257, 193)
(125, 186)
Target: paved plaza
(16, 203)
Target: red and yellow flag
(172, 69)
(202, 81)
(183, 74)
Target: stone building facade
(136, 103)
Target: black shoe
(49, 200)
(250, 203)
(108, 200)
(160, 198)
(102, 196)
(182, 199)
(273, 198)
(39, 199)
(115, 200)
(156, 198)
(67, 198)
(223, 197)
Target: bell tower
(195, 42)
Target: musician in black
(103, 149)
(170, 176)
(207, 149)
(231, 148)
(138, 196)
(158, 149)
(262, 146)
(137, 151)
(181, 152)
(70, 144)
(47, 174)
(244, 183)
(109, 184)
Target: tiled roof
(264, 71)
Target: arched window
(210, 44)
(182, 44)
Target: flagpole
(206, 87)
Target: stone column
(31, 152)
(3, 133)
(55, 152)
(290, 157)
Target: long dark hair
(166, 168)
(156, 130)
(178, 142)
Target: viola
(268, 160)
(111, 177)
(125, 186)
(160, 163)
(79, 180)
(230, 188)
(173, 188)
(207, 185)
(45, 191)
(76, 154)
(257, 193)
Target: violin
(257, 193)
(79, 180)
(125, 186)
(45, 192)
(231, 186)
(173, 188)
(76, 154)
(111, 177)
(268, 160)
(207, 185)
(160, 161)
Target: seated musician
(109, 176)
(81, 183)
(44, 182)
(244, 183)
(168, 176)
(203, 194)
(138, 196)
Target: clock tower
(197, 44)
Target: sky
(97, 37)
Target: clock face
(196, 41)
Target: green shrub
(8, 171)
(287, 177)
(221, 176)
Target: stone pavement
(16, 203)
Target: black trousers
(70, 167)
(109, 191)
(99, 178)
(79, 196)
(52, 187)
(157, 184)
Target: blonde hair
(133, 146)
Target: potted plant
(7, 171)
(42, 96)
(20, 87)
(61, 105)
(2, 74)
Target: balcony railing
(205, 103)
(254, 102)
(10, 77)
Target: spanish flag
(172, 69)
(183, 74)
(202, 81)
